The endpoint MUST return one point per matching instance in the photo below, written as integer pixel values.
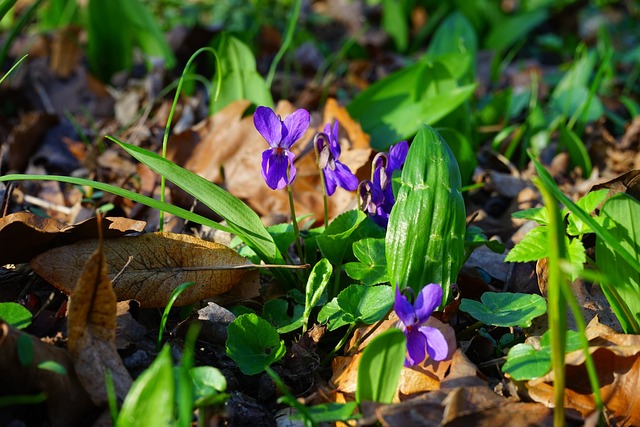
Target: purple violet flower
(380, 188)
(278, 170)
(335, 173)
(421, 340)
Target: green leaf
(524, 362)
(380, 367)
(316, 285)
(52, 366)
(538, 215)
(25, 349)
(15, 314)
(332, 315)
(624, 213)
(334, 241)
(505, 308)
(532, 247)
(253, 344)
(456, 35)
(394, 22)
(241, 219)
(475, 237)
(240, 78)
(151, 397)
(578, 153)
(513, 28)
(209, 385)
(372, 268)
(114, 28)
(329, 412)
(577, 227)
(425, 235)
(276, 312)
(365, 304)
(395, 107)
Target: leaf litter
(460, 391)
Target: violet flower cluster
(376, 196)
(278, 169)
(421, 340)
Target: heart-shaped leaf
(253, 344)
(505, 308)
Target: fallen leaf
(617, 361)
(92, 332)
(149, 267)
(416, 379)
(68, 403)
(31, 235)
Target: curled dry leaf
(149, 267)
(92, 332)
(68, 403)
(31, 235)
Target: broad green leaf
(372, 266)
(253, 344)
(316, 285)
(241, 219)
(425, 235)
(276, 311)
(335, 240)
(365, 304)
(578, 153)
(513, 28)
(151, 397)
(573, 100)
(53, 366)
(524, 362)
(624, 213)
(115, 27)
(456, 35)
(394, 22)
(332, 315)
(395, 107)
(505, 308)
(380, 366)
(15, 314)
(240, 79)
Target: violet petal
(404, 309)
(437, 346)
(268, 125)
(427, 300)
(295, 126)
(416, 347)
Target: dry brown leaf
(416, 379)
(31, 235)
(149, 267)
(92, 332)
(68, 403)
(617, 360)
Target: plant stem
(362, 339)
(294, 222)
(338, 346)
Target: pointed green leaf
(253, 344)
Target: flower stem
(325, 200)
(360, 340)
(294, 222)
(338, 346)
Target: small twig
(47, 205)
(124, 267)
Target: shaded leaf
(253, 344)
(505, 309)
(372, 268)
(160, 262)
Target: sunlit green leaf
(505, 308)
